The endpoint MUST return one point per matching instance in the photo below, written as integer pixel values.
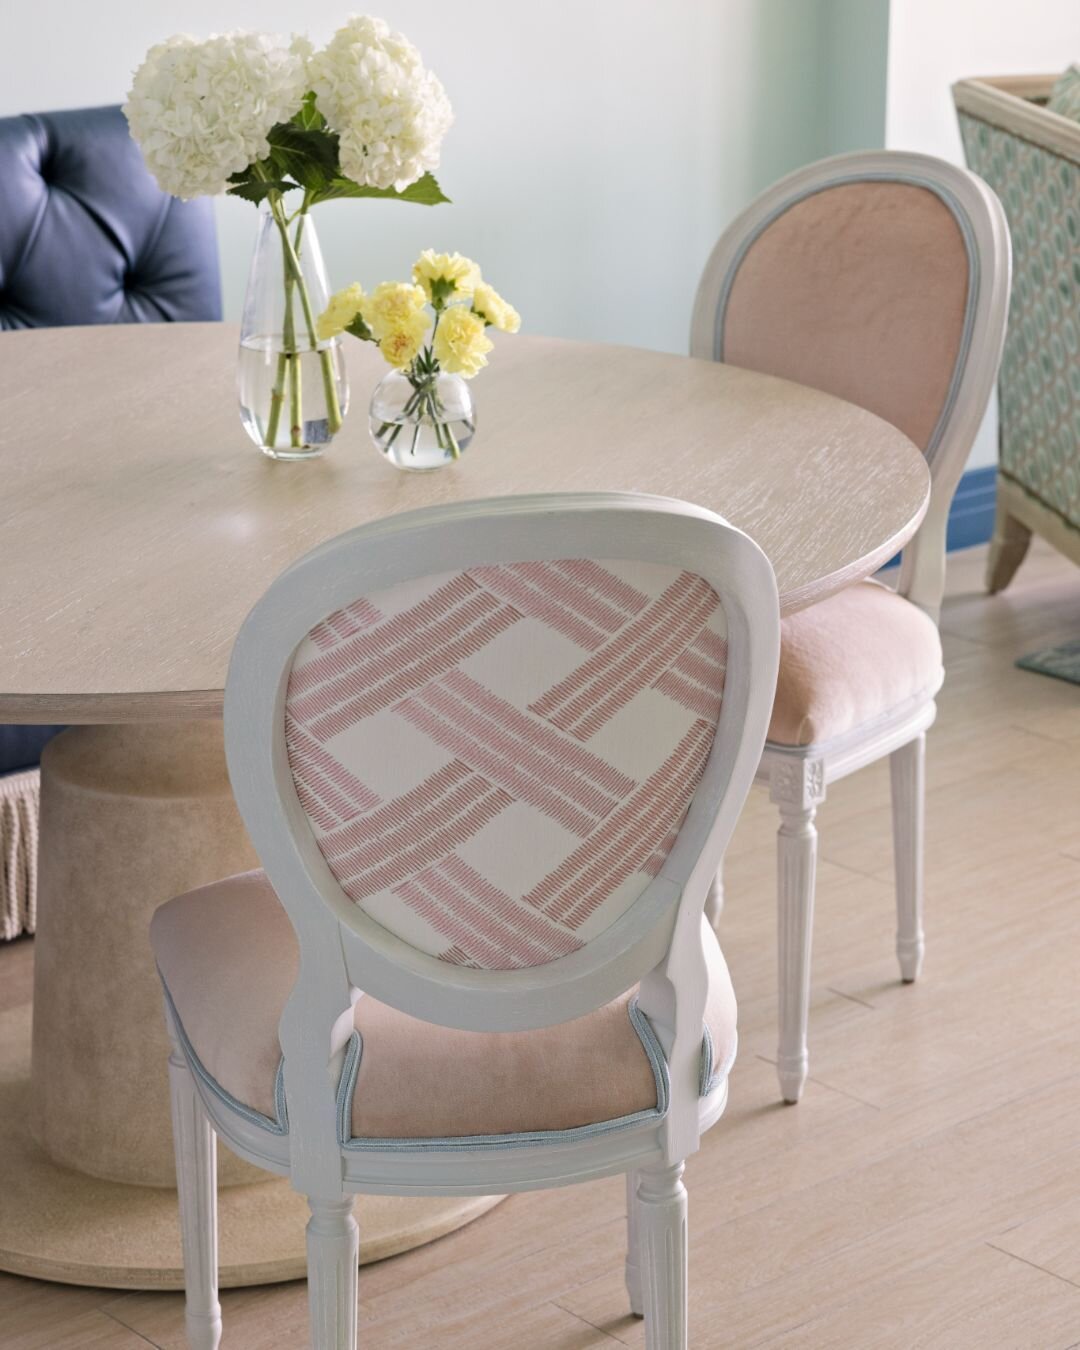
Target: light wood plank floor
(927, 1190)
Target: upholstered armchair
(1030, 156)
(86, 237)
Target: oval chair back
(881, 277)
(490, 755)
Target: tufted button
(69, 256)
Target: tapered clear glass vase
(422, 424)
(292, 388)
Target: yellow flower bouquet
(432, 332)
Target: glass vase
(422, 424)
(292, 388)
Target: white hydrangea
(201, 110)
(389, 112)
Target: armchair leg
(1008, 547)
(633, 1247)
(333, 1253)
(907, 771)
(196, 1182)
(797, 787)
(661, 1206)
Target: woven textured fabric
(496, 763)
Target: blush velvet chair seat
(883, 278)
(86, 237)
(229, 958)
(489, 756)
(850, 658)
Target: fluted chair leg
(907, 770)
(196, 1183)
(662, 1238)
(796, 788)
(333, 1253)
(633, 1247)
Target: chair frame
(798, 776)
(662, 939)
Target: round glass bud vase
(422, 424)
(292, 388)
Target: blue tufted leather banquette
(87, 236)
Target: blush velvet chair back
(86, 237)
(881, 277)
(489, 756)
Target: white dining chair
(881, 277)
(489, 755)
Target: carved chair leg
(907, 771)
(333, 1254)
(661, 1206)
(714, 901)
(797, 787)
(1008, 547)
(196, 1183)
(633, 1247)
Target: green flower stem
(277, 398)
(294, 276)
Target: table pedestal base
(132, 815)
(56, 1224)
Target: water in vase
(270, 379)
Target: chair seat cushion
(228, 957)
(850, 659)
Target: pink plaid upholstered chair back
(495, 759)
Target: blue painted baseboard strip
(971, 516)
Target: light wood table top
(138, 525)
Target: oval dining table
(138, 525)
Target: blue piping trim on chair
(279, 1126)
(709, 1079)
(913, 180)
(478, 1143)
(707, 1082)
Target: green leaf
(308, 156)
(255, 189)
(309, 118)
(359, 329)
(424, 191)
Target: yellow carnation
(341, 309)
(461, 345)
(401, 346)
(445, 276)
(391, 306)
(489, 304)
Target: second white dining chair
(489, 756)
(881, 277)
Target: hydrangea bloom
(201, 110)
(389, 112)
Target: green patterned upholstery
(1065, 95)
(1039, 187)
